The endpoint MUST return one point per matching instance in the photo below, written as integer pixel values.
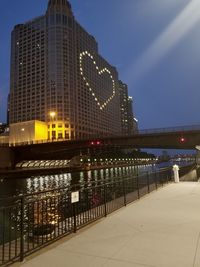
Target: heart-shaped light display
(100, 72)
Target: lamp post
(52, 117)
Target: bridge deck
(161, 229)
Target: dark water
(33, 184)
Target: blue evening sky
(155, 45)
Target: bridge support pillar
(7, 158)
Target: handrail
(170, 129)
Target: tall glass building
(128, 121)
(58, 76)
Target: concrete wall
(190, 177)
(6, 158)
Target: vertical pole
(156, 183)
(74, 214)
(3, 235)
(161, 178)
(105, 207)
(22, 230)
(138, 189)
(134, 166)
(148, 182)
(124, 191)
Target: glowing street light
(52, 114)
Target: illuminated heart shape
(100, 72)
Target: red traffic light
(182, 139)
(93, 143)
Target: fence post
(148, 182)
(156, 183)
(105, 207)
(167, 180)
(124, 191)
(22, 230)
(3, 234)
(138, 189)
(74, 215)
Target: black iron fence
(30, 222)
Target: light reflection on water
(13, 187)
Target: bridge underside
(68, 149)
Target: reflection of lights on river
(95, 175)
(107, 173)
(41, 183)
(81, 180)
(102, 173)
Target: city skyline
(56, 68)
(177, 71)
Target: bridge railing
(30, 222)
(170, 129)
(142, 131)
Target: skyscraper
(59, 77)
(128, 123)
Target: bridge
(187, 137)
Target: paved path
(161, 229)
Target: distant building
(4, 133)
(132, 121)
(8, 108)
(56, 69)
(128, 123)
(3, 127)
(164, 157)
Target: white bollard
(176, 173)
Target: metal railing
(30, 222)
(170, 129)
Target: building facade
(132, 121)
(56, 69)
(3, 127)
(128, 121)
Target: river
(33, 184)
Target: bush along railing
(30, 222)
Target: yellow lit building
(28, 132)
(58, 130)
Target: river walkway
(161, 229)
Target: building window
(60, 136)
(53, 134)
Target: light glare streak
(172, 35)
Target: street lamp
(52, 114)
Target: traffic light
(182, 139)
(95, 143)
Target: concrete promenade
(160, 230)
